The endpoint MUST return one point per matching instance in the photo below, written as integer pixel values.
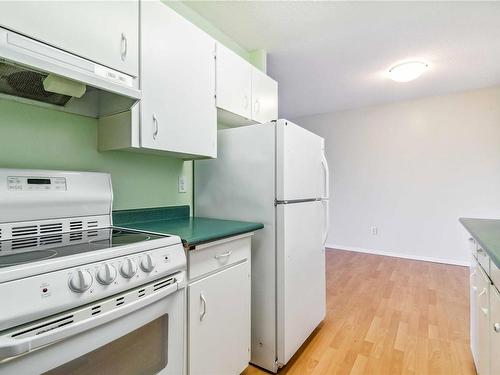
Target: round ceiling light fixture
(407, 71)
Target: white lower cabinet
(494, 330)
(219, 317)
(482, 323)
(473, 308)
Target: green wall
(35, 137)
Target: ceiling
(331, 56)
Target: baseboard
(397, 255)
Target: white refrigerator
(276, 174)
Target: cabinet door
(178, 112)
(483, 323)
(234, 82)
(219, 322)
(264, 97)
(473, 307)
(106, 32)
(495, 330)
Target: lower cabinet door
(473, 308)
(219, 322)
(483, 323)
(494, 330)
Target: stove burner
(26, 257)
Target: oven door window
(140, 352)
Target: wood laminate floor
(389, 316)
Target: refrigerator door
(301, 167)
(301, 274)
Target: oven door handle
(11, 347)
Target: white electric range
(77, 293)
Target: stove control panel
(26, 183)
(49, 293)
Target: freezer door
(301, 170)
(300, 274)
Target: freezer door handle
(327, 220)
(326, 186)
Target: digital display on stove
(39, 181)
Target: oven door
(143, 335)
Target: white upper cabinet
(234, 83)
(178, 112)
(106, 32)
(245, 95)
(264, 97)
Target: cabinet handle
(496, 327)
(474, 288)
(226, 254)
(483, 309)
(124, 47)
(257, 106)
(155, 128)
(204, 302)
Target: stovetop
(34, 249)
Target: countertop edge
(494, 257)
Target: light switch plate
(182, 184)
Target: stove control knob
(128, 268)
(147, 263)
(80, 281)
(106, 274)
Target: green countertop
(487, 233)
(176, 220)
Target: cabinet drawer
(484, 260)
(495, 274)
(473, 247)
(212, 256)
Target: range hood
(40, 74)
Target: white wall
(412, 169)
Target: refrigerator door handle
(326, 171)
(327, 220)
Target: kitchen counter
(487, 233)
(176, 220)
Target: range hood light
(64, 86)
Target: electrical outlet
(182, 184)
(374, 231)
